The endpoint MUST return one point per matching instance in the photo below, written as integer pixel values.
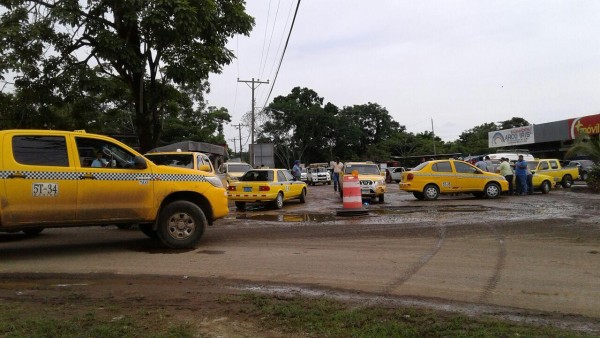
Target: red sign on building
(588, 124)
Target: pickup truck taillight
(409, 177)
(264, 188)
(231, 188)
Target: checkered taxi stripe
(103, 176)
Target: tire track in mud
(498, 268)
(415, 267)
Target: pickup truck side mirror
(139, 163)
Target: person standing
(505, 170)
(337, 170)
(296, 171)
(490, 165)
(521, 174)
(481, 164)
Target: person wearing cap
(296, 171)
(505, 170)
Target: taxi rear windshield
(257, 176)
(237, 168)
(363, 169)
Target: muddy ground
(526, 258)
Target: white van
(512, 157)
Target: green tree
(151, 47)
(515, 122)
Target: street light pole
(253, 82)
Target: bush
(593, 180)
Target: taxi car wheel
(431, 192)
(492, 190)
(545, 187)
(567, 181)
(419, 195)
(278, 204)
(148, 231)
(181, 224)
(240, 205)
(33, 232)
(303, 196)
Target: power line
(283, 54)
(253, 87)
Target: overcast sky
(460, 63)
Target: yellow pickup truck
(54, 178)
(552, 167)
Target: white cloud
(460, 63)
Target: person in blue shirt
(296, 170)
(521, 176)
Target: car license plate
(247, 189)
(365, 191)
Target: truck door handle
(16, 175)
(87, 177)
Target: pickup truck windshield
(363, 169)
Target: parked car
(372, 183)
(584, 167)
(303, 174)
(272, 186)
(234, 170)
(430, 179)
(319, 175)
(552, 167)
(395, 174)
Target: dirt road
(537, 253)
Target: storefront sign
(511, 137)
(588, 124)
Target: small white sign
(44, 189)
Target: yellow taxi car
(266, 185)
(542, 183)
(430, 179)
(372, 183)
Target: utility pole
(253, 84)
(239, 127)
(234, 147)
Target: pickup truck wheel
(303, 196)
(545, 187)
(148, 231)
(33, 232)
(381, 198)
(181, 224)
(240, 205)
(278, 203)
(492, 190)
(341, 193)
(567, 181)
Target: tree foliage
(59, 51)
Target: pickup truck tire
(381, 198)
(240, 205)
(567, 181)
(148, 231)
(431, 192)
(33, 232)
(492, 190)
(545, 187)
(181, 224)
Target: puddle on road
(331, 217)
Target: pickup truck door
(40, 181)
(116, 192)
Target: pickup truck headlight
(379, 182)
(215, 181)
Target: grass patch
(327, 318)
(21, 319)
